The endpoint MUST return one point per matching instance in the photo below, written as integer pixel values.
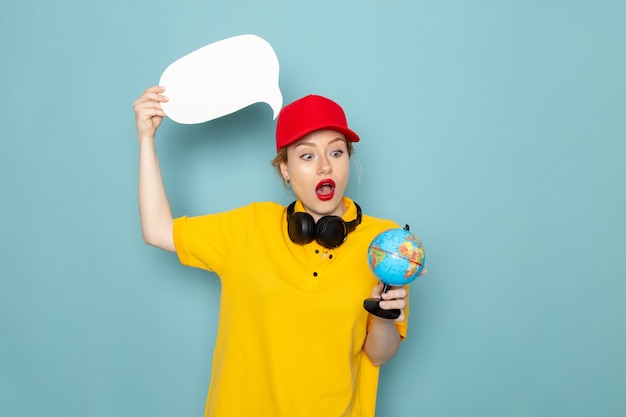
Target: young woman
(293, 338)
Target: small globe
(396, 256)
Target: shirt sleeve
(208, 241)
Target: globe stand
(372, 305)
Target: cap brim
(349, 134)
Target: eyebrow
(329, 143)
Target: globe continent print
(396, 256)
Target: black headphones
(329, 231)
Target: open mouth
(325, 190)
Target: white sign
(222, 78)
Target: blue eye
(337, 154)
(306, 156)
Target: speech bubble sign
(222, 78)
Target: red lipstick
(325, 189)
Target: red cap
(308, 114)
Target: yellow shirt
(292, 324)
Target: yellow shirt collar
(348, 216)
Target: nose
(324, 166)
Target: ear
(283, 170)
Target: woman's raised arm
(154, 207)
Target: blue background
(496, 129)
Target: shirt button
(314, 274)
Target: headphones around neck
(329, 231)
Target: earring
(287, 181)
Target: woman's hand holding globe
(396, 257)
